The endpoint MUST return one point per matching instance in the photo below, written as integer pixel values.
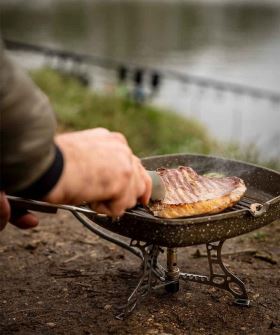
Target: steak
(190, 194)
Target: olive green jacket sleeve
(27, 127)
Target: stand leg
(220, 276)
(225, 279)
(149, 276)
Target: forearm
(97, 166)
(26, 132)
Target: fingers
(146, 183)
(138, 189)
(108, 208)
(100, 169)
(125, 201)
(19, 218)
(5, 210)
(97, 165)
(23, 219)
(145, 197)
(134, 189)
(117, 206)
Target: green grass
(149, 130)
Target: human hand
(19, 218)
(5, 210)
(116, 206)
(100, 169)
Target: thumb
(5, 210)
(23, 219)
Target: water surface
(236, 42)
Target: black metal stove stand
(154, 276)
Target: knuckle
(124, 151)
(116, 189)
(119, 180)
(120, 137)
(132, 203)
(101, 130)
(141, 189)
(126, 171)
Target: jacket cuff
(43, 185)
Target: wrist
(67, 188)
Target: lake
(234, 41)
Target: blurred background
(214, 63)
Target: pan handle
(257, 209)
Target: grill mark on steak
(186, 183)
(212, 185)
(187, 180)
(205, 185)
(188, 193)
(176, 187)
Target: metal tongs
(158, 193)
(46, 207)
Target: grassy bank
(149, 130)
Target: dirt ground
(61, 279)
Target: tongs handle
(46, 207)
(33, 205)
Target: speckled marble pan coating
(262, 184)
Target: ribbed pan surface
(263, 187)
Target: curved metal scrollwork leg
(225, 279)
(220, 276)
(145, 284)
